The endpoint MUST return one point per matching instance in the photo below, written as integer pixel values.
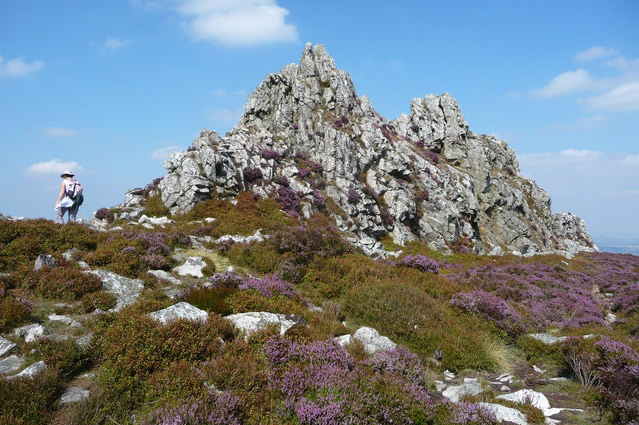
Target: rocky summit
(307, 139)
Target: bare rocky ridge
(309, 139)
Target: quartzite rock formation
(308, 139)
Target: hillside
(291, 324)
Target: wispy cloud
(164, 153)
(596, 52)
(567, 82)
(59, 132)
(622, 98)
(111, 44)
(54, 166)
(237, 23)
(18, 67)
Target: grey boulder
(255, 321)
(126, 290)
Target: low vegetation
(464, 312)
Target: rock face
(126, 290)
(309, 140)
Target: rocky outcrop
(309, 140)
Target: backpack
(75, 190)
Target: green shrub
(213, 300)
(62, 282)
(138, 346)
(98, 300)
(251, 300)
(23, 241)
(177, 382)
(65, 356)
(13, 312)
(29, 401)
(154, 207)
(542, 354)
(411, 317)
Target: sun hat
(67, 173)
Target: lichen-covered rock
(182, 310)
(455, 392)
(372, 340)
(6, 346)
(44, 260)
(30, 371)
(74, 395)
(126, 290)
(506, 414)
(255, 321)
(10, 364)
(32, 332)
(192, 267)
(425, 175)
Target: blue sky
(110, 88)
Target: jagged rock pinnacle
(422, 176)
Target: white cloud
(164, 153)
(565, 83)
(54, 166)
(112, 44)
(593, 53)
(624, 64)
(59, 132)
(225, 115)
(622, 98)
(238, 22)
(18, 67)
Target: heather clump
(63, 282)
(222, 409)
(466, 413)
(618, 371)
(320, 383)
(132, 254)
(269, 286)
(491, 308)
(419, 262)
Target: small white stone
(448, 375)
(74, 395)
(547, 338)
(455, 392)
(344, 340)
(538, 369)
(161, 274)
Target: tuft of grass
(501, 356)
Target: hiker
(69, 199)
